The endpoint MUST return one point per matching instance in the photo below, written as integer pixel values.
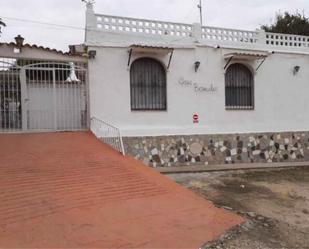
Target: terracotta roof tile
(34, 46)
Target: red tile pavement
(68, 190)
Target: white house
(181, 93)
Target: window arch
(239, 87)
(148, 85)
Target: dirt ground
(275, 202)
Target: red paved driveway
(68, 190)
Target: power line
(43, 23)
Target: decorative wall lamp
(19, 40)
(92, 54)
(197, 65)
(296, 69)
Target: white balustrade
(229, 35)
(286, 40)
(157, 28)
(140, 26)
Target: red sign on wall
(195, 119)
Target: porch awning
(245, 56)
(157, 49)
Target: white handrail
(108, 133)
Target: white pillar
(261, 36)
(91, 21)
(197, 32)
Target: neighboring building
(42, 89)
(173, 88)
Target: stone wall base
(197, 150)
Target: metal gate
(42, 96)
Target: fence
(108, 133)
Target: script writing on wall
(196, 87)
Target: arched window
(239, 87)
(148, 85)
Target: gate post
(24, 98)
(55, 100)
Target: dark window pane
(239, 87)
(148, 85)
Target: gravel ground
(275, 202)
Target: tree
(287, 23)
(2, 24)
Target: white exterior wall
(281, 98)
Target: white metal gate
(42, 96)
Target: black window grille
(239, 88)
(148, 85)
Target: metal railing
(108, 133)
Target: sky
(238, 14)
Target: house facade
(184, 94)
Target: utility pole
(201, 12)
